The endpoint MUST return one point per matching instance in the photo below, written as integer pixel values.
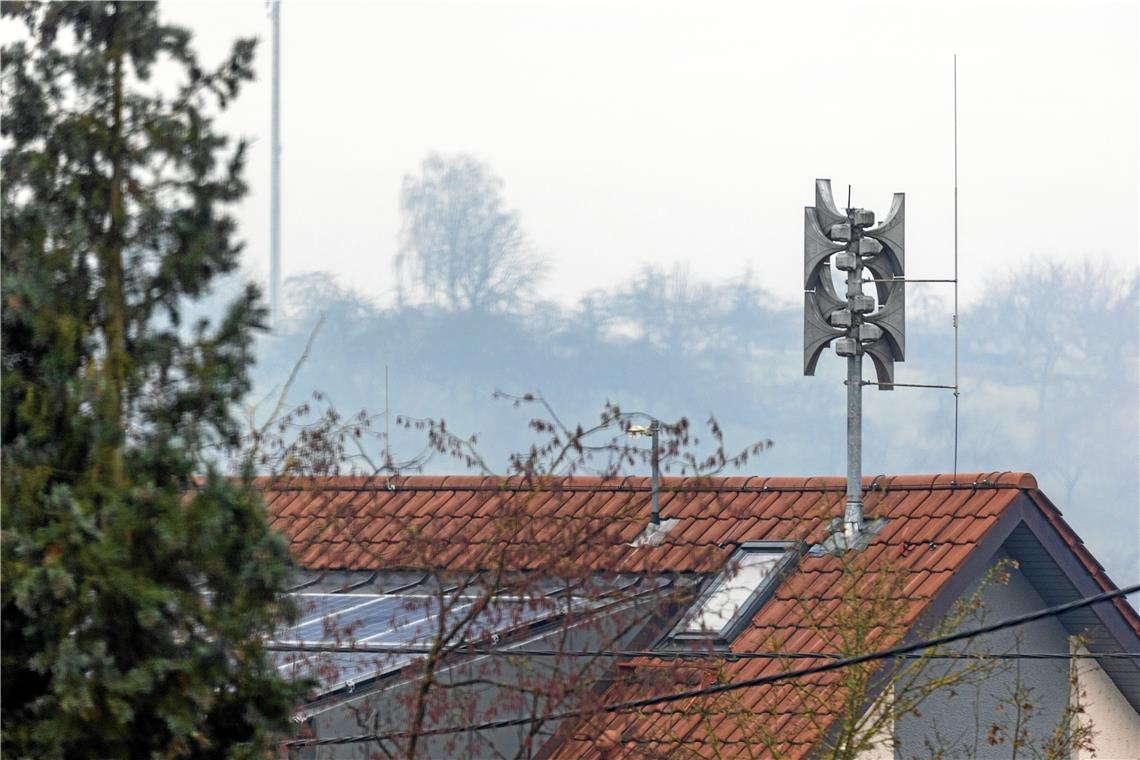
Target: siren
(850, 242)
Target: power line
(735, 685)
(316, 647)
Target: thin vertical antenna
(387, 416)
(275, 182)
(955, 266)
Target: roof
(941, 532)
(357, 523)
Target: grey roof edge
(1026, 511)
(1022, 511)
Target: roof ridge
(640, 483)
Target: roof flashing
(837, 542)
(655, 532)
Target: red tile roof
(353, 523)
(465, 523)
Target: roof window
(732, 598)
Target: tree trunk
(109, 459)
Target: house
(539, 609)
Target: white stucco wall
(884, 745)
(884, 739)
(1116, 726)
(884, 751)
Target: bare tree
(564, 570)
(847, 714)
(856, 712)
(460, 246)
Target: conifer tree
(137, 581)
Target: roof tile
(935, 521)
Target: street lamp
(653, 431)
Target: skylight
(734, 596)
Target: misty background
(1048, 360)
(640, 172)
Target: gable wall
(965, 723)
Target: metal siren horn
(818, 248)
(891, 233)
(891, 317)
(880, 353)
(818, 331)
(825, 206)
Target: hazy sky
(657, 132)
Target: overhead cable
(721, 688)
(315, 647)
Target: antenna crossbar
(910, 385)
(906, 279)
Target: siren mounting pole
(853, 510)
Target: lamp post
(654, 459)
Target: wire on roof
(689, 654)
(734, 685)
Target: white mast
(275, 189)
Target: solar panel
(410, 620)
(337, 625)
(313, 606)
(413, 627)
(504, 615)
(333, 670)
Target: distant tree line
(1048, 358)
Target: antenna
(387, 417)
(275, 181)
(956, 386)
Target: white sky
(649, 132)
